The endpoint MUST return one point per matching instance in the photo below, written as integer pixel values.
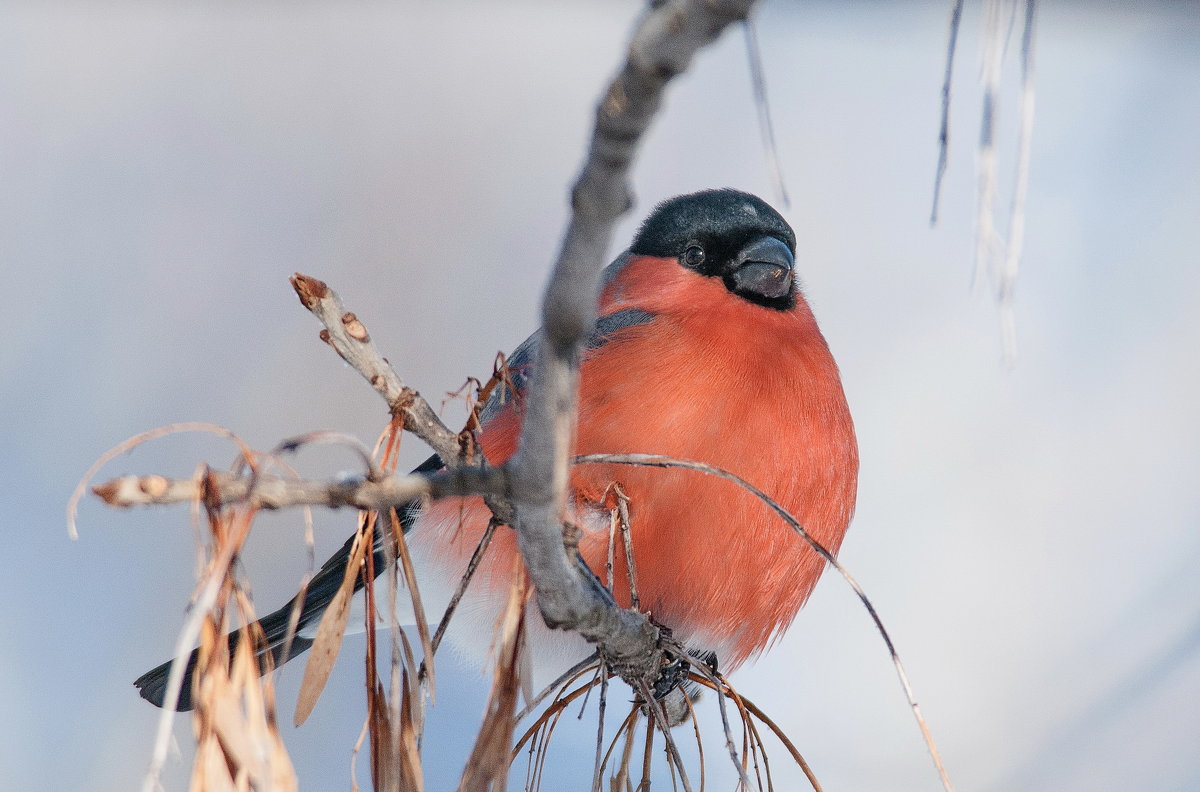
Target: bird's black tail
(152, 685)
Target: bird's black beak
(763, 267)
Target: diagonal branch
(350, 339)
(664, 42)
(348, 336)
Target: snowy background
(1029, 535)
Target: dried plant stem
(1016, 228)
(627, 540)
(758, 79)
(598, 769)
(349, 338)
(207, 593)
(566, 678)
(655, 460)
(647, 754)
(268, 491)
(944, 131)
(132, 443)
(658, 717)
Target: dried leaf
(385, 769)
(328, 642)
(487, 767)
(411, 776)
(410, 579)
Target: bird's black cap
(720, 220)
(730, 235)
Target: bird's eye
(693, 256)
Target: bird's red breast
(715, 378)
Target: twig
(717, 685)
(350, 339)
(268, 491)
(1016, 227)
(663, 44)
(597, 772)
(655, 460)
(944, 132)
(647, 748)
(478, 556)
(758, 79)
(627, 539)
(658, 717)
(134, 442)
(560, 684)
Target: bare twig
(268, 491)
(987, 240)
(560, 684)
(664, 42)
(349, 338)
(944, 133)
(655, 460)
(463, 582)
(719, 685)
(658, 716)
(597, 770)
(758, 79)
(1016, 227)
(134, 442)
(627, 540)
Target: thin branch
(560, 684)
(350, 339)
(658, 716)
(986, 238)
(132, 443)
(944, 132)
(1016, 227)
(463, 582)
(719, 685)
(597, 771)
(664, 42)
(267, 491)
(655, 460)
(758, 79)
(348, 336)
(627, 539)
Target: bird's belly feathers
(713, 562)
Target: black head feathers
(717, 219)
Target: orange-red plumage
(720, 380)
(705, 350)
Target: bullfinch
(705, 349)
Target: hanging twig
(944, 132)
(758, 78)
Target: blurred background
(1028, 534)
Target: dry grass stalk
(328, 641)
(487, 766)
(237, 735)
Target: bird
(705, 349)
